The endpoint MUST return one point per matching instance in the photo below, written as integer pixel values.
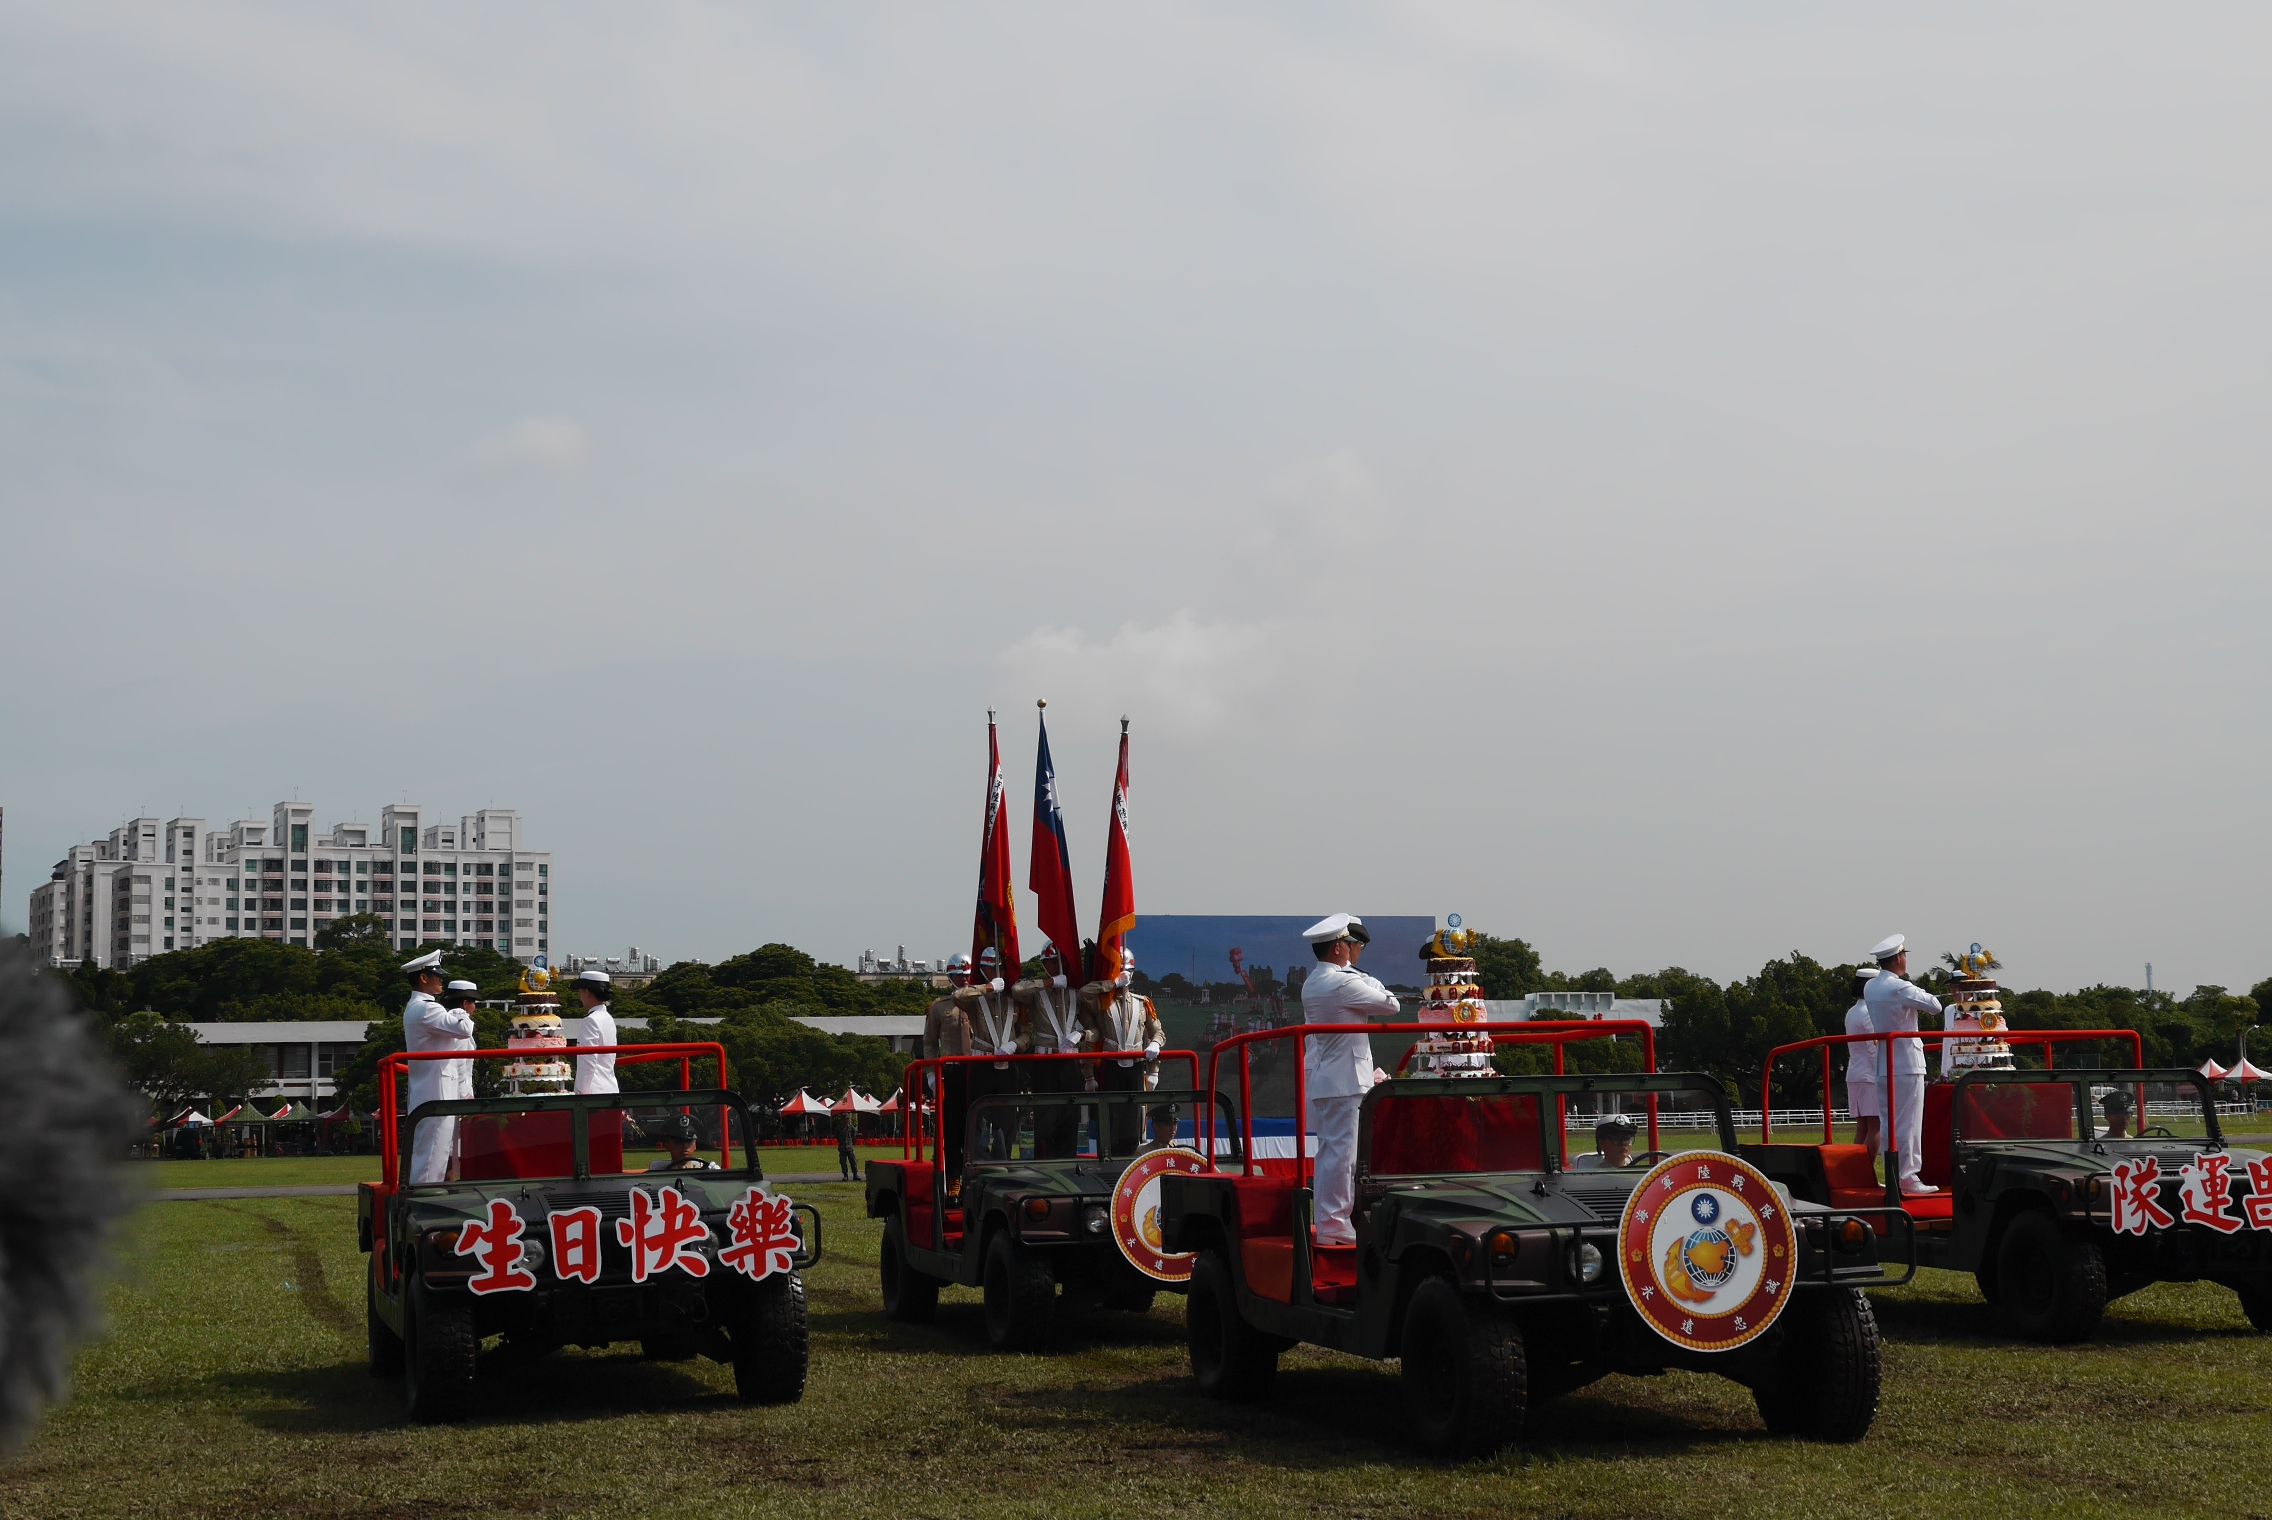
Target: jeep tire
(909, 1296)
(1822, 1375)
(769, 1340)
(439, 1348)
(2051, 1285)
(1230, 1359)
(1465, 1374)
(1021, 1297)
(386, 1346)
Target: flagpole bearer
(994, 956)
(1124, 1018)
(1047, 1005)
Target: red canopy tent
(2212, 1070)
(804, 1106)
(2247, 1071)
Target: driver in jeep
(1613, 1146)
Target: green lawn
(232, 1383)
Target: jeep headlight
(1586, 1262)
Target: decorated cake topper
(535, 979)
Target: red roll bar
(2044, 1038)
(684, 1052)
(911, 1137)
(1558, 1032)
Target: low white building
(302, 1058)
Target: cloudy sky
(1677, 485)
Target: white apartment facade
(156, 886)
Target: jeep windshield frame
(1552, 1119)
(579, 1132)
(2081, 1080)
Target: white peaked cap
(599, 977)
(1889, 947)
(1866, 973)
(464, 987)
(1335, 926)
(430, 961)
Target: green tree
(168, 1063)
(1506, 968)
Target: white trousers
(430, 1149)
(1866, 1100)
(1908, 1113)
(1334, 1122)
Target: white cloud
(1190, 676)
(550, 445)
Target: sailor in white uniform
(595, 1074)
(1896, 1004)
(1865, 1071)
(427, 1025)
(1337, 1069)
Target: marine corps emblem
(1706, 1249)
(1136, 1213)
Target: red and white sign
(1706, 1249)
(663, 1233)
(1136, 1213)
(2204, 1195)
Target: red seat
(1933, 1145)
(503, 1147)
(1492, 1133)
(1268, 1262)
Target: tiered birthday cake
(1973, 1007)
(541, 1063)
(1452, 994)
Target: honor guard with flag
(1337, 1069)
(427, 1025)
(1054, 1025)
(1124, 1019)
(946, 1032)
(1895, 1004)
(993, 1023)
(994, 948)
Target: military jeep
(542, 1238)
(1027, 1218)
(2031, 1181)
(1488, 1260)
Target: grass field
(232, 1383)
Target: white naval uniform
(427, 1025)
(596, 1074)
(1895, 1004)
(1337, 1072)
(1865, 1068)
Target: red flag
(996, 926)
(1049, 870)
(1118, 914)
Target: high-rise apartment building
(155, 886)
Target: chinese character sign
(496, 1245)
(764, 1237)
(663, 1232)
(2205, 1195)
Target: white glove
(1090, 1085)
(1121, 980)
(1379, 1076)
(1057, 983)
(996, 985)
(1152, 1051)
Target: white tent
(855, 1101)
(2212, 1070)
(803, 1103)
(2247, 1071)
(189, 1119)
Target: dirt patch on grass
(308, 1279)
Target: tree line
(353, 975)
